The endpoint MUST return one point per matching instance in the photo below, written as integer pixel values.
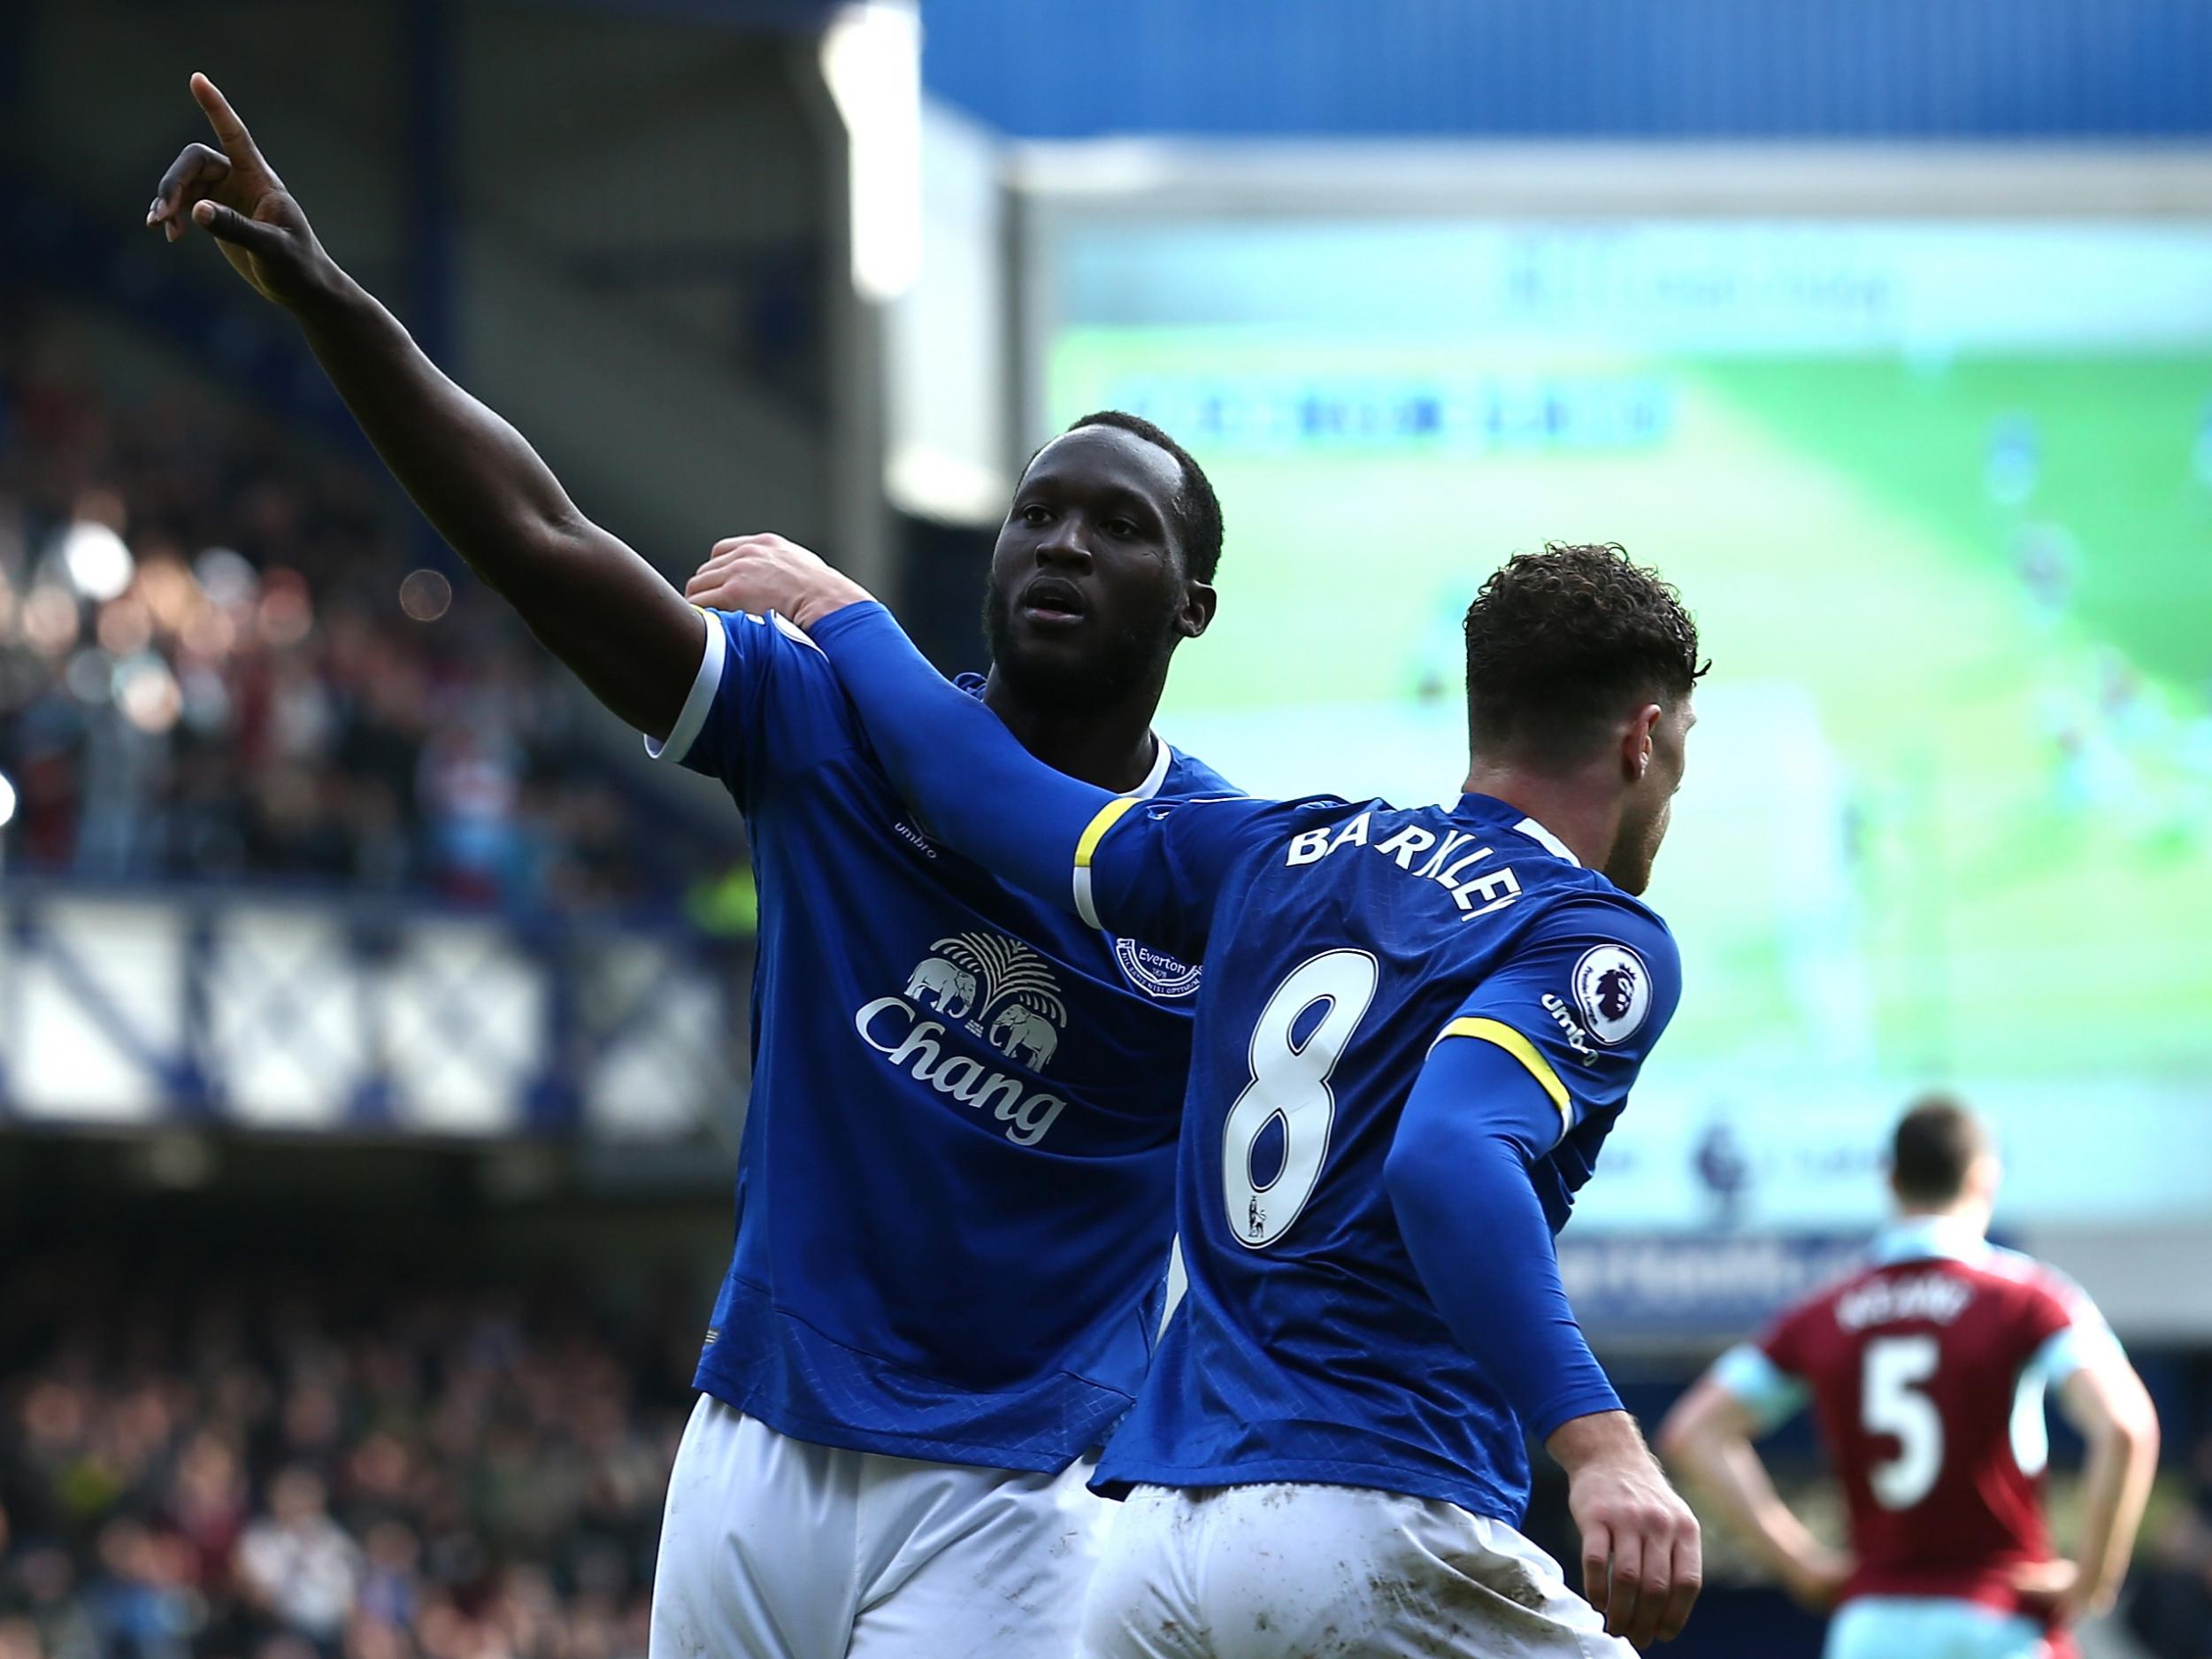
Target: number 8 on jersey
(1290, 1081)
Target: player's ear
(1636, 743)
(1196, 613)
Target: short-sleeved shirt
(1926, 1370)
(1343, 941)
(954, 1192)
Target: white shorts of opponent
(777, 1548)
(1272, 1571)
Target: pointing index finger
(236, 141)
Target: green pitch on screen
(1949, 805)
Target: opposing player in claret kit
(1927, 1370)
(955, 1192)
(1417, 1027)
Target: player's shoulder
(1570, 905)
(1577, 892)
(768, 632)
(1188, 778)
(1836, 1301)
(765, 700)
(1264, 819)
(765, 652)
(2035, 1280)
(1216, 823)
(1850, 1280)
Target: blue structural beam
(1577, 68)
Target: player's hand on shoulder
(1642, 1557)
(766, 573)
(235, 195)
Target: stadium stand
(271, 1463)
(215, 662)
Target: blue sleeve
(1458, 1178)
(764, 700)
(1578, 1005)
(1151, 870)
(979, 792)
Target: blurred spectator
(215, 662)
(138, 1604)
(238, 1471)
(297, 1564)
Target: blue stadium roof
(1563, 68)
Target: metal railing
(266, 1011)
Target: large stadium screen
(1940, 496)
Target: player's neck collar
(1924, 1238)
(1474, 803)
(1548, 841)
(1163, 758)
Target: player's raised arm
(592, 601)
(2107, 1403)
(1707, 1440)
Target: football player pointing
(954, 1197)
(1927, 1370)
(1415, 1028)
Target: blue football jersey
(1342, 942)
(956, 1182)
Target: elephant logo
(1000, 989)
(1020, 1034)
(951, 989)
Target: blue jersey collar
(1927, 1239)
(1488, 806)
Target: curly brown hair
(1558, 642)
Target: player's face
(1651, 801)
(1088, 596)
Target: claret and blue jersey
(954, 1192)
(1342, 943)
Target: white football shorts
(1287, 1571)
(777, 1548)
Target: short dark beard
(1125, 663)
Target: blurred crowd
(249, 1471)
(227, 649)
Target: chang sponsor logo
(983, 988)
